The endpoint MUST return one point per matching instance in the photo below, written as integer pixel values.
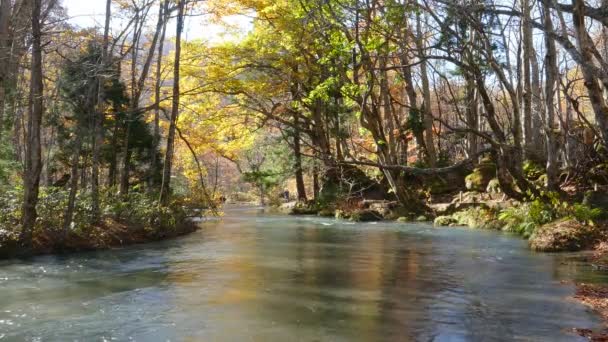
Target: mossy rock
(366, 216)
(444, 221)
(304, 209)
(398, 212)
(493, 186)
(422, 218)
(564, 236)
(327, 212)
(478, 217)
(481, 176)
(341, 214)
(403, 219)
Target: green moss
(532, 170)
(327, 212)
(304, 209)
(422, 218)
(493, 186)
(478, 217)
(365, 216)
(444, 221)
(341, 214)
(480, 177)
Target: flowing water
(261, 277)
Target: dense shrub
(139, 210)
(525, 218)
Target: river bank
(106, 235)
(595, 296)
(124, 220)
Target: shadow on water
(264, 277)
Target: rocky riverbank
(548, 227)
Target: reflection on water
(260, 277)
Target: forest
(488, 114)
(364, 109)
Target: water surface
(261, 277)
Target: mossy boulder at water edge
(565, 236)
(481, 217)
(444, 221)
(327, 212)
(365, 216)
(304, 209)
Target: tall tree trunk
(298, 160)
(33, 158)
(528, 51)
(5, 12)
(157, 86)
(69, 211)
(550, 82)
(113, 167)
(586, 47)
(137, 86)
(166, 184)
(472, 116)
(130, 115)
(98, 119)
(315, 181)
(426, 92)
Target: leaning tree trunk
(33, 158)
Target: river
(254, 276)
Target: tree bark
(69, 211)
(426, 92)
(586, 46)
(301, 189)
(157, 85)
(98, 119)
(137, 86)
(33, 158)
(166, 184)
(550, 82)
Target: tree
(33, 161)
(166, 184)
